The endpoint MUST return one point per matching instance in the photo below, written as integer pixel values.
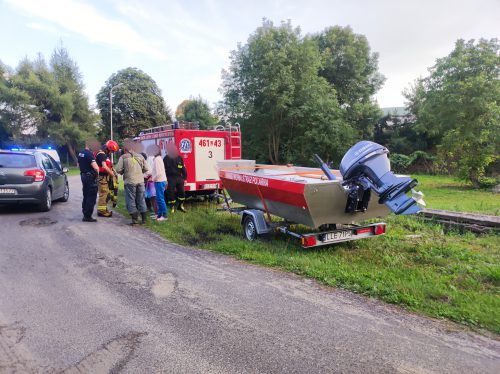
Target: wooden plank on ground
(473, 218)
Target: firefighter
(112, 185)
(106, 177)
(176, 176)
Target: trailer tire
(250, 228)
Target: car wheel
(249, 228)
(46, 204)
(66, 193)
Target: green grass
(73, 170)
(446, 192)
(445, 275)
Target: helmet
(112, 146)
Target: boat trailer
(333, 202)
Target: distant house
(396, 111)
(399, 113)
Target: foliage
(48, 101)
(418, 161)
(457, 107)
(179, 112)
(196, 110)
(352, 69)
(400, 162)
(399, 134)
(16, 114)
(287, 111)
(137, 104)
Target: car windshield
(16, 160)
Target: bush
(399, 162)
(488, 182)
(417, 162)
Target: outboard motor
(366, 167)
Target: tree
(16, 114)
(137, 104)
(48, 100)
(352, 69)
(196, 110)
(457, 106)
(179, 112)
(72, 121)
(287, 111)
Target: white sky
(184, 45)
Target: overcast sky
(184, 45)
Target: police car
(32, 176)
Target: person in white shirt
(160, 181)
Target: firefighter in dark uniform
(88, 174)
(176, 176)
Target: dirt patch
(38, 222)
(164, 286)
(226, 230)
(14, 357)
(201, 237)
(109, 358)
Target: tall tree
(16, 114)
(179, 112)
(73, 120)
(352, 69)
(196, 110)
(273, 89)
(48, 100)
(457, 105)
(137, 103)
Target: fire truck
(200, 149)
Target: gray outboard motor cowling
(366, 166)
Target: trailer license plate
(337, 235)
(210, 186)
(7, 191)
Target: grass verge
(73, 170)
(446, 192)
(416, 265)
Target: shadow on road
(17, 208)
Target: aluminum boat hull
(297, 194)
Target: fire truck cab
(200, 149)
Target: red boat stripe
(272, 189)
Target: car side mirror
(65, 170)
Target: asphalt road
(95, 298)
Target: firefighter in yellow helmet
(106, 178)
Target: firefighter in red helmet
(106, 179)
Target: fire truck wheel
(250, 228)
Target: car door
(52, 174)
(60, 177)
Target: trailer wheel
(250, 228)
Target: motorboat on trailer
(332, 201)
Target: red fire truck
(200, 149)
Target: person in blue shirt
(88, 174)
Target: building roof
(395, 111)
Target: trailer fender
(261, 224)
